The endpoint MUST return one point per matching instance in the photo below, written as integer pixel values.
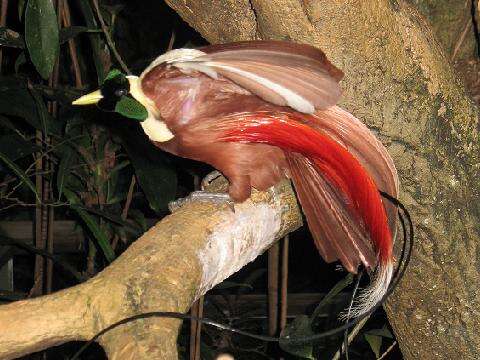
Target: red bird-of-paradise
(261, 111)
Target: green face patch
(114, 73)
(131, 108)
(116, 97)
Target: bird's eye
(121, 92)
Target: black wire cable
(402, 257)
(352, 300)
(397, 276)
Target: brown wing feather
(346, 129)
(331, 226)
(282, 73)
(312, 83)
(279, 47)
(336, 234)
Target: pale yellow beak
(89, 99)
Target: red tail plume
(339, 167)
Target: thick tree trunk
(170, 266)
(399, 81)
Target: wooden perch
(166, 269)
(400, 82)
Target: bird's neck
(153, 127)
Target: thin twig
(3, 22)
(172, 41)
(390, 348)
(126, 207)
(109, 38)
(273, 265)
(39, 261)
(7, 181)
(351, 336)
(193, 331)
(128, 201)
(37, 287)
(72, 47)
(284, 284)
(18, 202)
(91, 164)
(198, 332)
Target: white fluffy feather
(371, 296)
(292, 99)
(173, 56)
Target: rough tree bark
(399, 81)
(171, 265)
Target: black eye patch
(112, 91)
(121, 92)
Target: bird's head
(119, 93)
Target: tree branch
(170, 266)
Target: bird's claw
(209, 178)
(203, 196)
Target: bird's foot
(203, 196)
(209, 178)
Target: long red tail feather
(337, 165)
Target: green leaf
(15, 147)
(6, 253)
(48, 123)
(64, 168)
(114, 219)
(113, 9)
(101, 54)
(224, 285)
(299, 328)
(71, 32)
(7, 124)
(10, 38)
(41, 35)
(139, 218)
(342, 284)
(43, 114)
(20, 173)
(21, 9)
(93, 226)
(113, 74)
(16, 100)
(251, 278)
(131, 108)
(114, 171)
(375, 343)
(156, 176)
(113, 194)
(383, 332)
(113, 199)
(21, 60)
